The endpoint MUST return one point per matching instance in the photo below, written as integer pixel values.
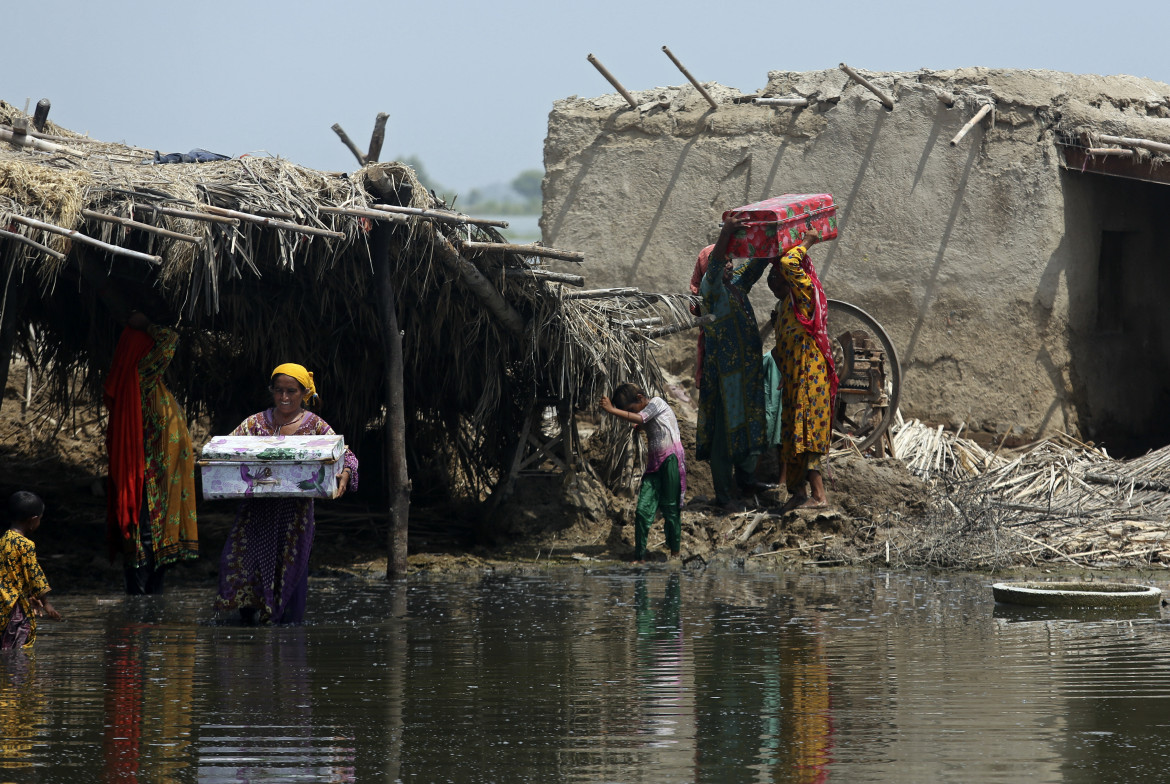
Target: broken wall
(966, 254)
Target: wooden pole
(555, 277)
(133, 224)
(399, 485)
(78, 236)
(885, 99)
(616, 84)
(348, 142)
(273, 223)
(15, 237)
(440, 215)
(602, 293)
(524, 250)
(480, 286)
(28, 140)
(360, 213)
(177, 213)
(673, 328)
(945, 98)
(781, 101)
(377, 137)
(1131, 142)
(706, 95)
(1118, 151)
(979, 115)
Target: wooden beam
(348, 142)
(886, 100)
(694, 82)
(602, 293)
(377, 137)
(945, 98)
(442, 216)
(555, 277)
(1131, 142)
(357, 212)
(79, 237)
(273, 223)
(480, 286)
(177, 213)
(781, 101)
(673, 328)
(612, 80)
(133, 224)
(15, 237)
(979, 115)
(28, 140)
(524, 250)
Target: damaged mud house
(1020, 267)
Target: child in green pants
(665, 480)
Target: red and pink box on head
(778, 224)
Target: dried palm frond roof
(259, 261)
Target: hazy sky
(468, 85)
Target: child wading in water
(665, 479)
(22, 583)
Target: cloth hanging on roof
(193, 156)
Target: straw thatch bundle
(292, 279)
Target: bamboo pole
(601, 293)
(478, 284)
(78, 236)
(133, 224)
(526, 250)
(360, 213)
(1132, 142)
(377, 138)
(1108, 151)
(177, 213)
(945, 98)
(780, 101)
(651, 321)
(885, 99)
(706, 95)
(440, 215)
(979, 115)
(15, 237)
(273, 223)
(616, 84)
(555, 277)
(29, 140)
(348, 142)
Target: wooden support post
(524, 250)
(979, 115)
(616, 84)
(15, 237)
(78, 236)
(706, 95)
(348, 142)
(398, 478)
(42, 114)
(885, 99)
(781, 101)
(12, 303)
(133, 224)
(377, 137)
(1131, 142)
(555, 277)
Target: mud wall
(967, 254)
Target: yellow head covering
(303, 377)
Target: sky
(469, 85)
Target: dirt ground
(550, 518)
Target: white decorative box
(272, 466)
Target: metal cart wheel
(869, 374)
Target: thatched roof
(249, 293)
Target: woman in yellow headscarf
(264, 569)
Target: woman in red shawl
(810, 380)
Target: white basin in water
(1042, 594)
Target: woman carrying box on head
(264, 569)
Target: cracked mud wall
(970, 255)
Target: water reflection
(22, 709)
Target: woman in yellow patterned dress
(809, 378)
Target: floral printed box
(777, 225)
(272, 466)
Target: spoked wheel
(869, 374)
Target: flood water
(613, 676)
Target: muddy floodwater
(607, 676)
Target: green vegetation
(523, 197)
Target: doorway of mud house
(1117, 237)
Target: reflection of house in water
(1019, 270)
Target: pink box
(778, 224)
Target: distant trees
(522, 196)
